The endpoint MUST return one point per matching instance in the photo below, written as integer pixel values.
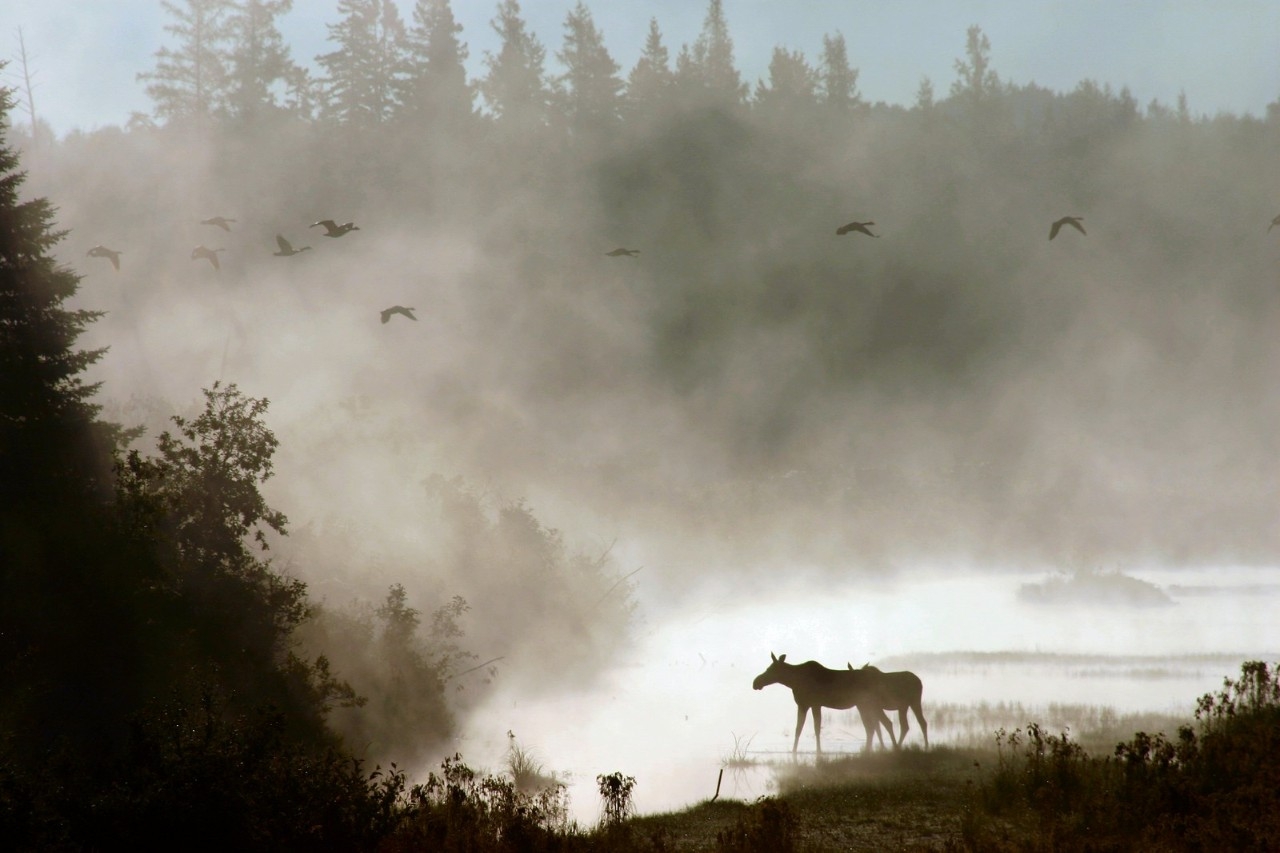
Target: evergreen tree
(190, 79)
(65, 636)
(51, 444)
(708, 68)
(977, 82)
(924, 95)
(792, 85)
(366, 72)
(436, 88)
(515, 87)
(838, 81)
(589, 92)
(258, 58)
(649, 83)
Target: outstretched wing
(1054, 229)
(283, 244)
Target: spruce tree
(976, 81)
(838, 81)
(51, 444)
(707, 69)
(258, 59)
(515, 87)
(589, 92)
(190, 79)
(365, 75)
(793, 84)
(436, 89)
(649, 83)
(63, 628)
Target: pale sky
(1226, 54)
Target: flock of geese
(333, 229)
(286, 249)
(865, 228)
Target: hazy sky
(86, 55)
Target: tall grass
(1212, 786)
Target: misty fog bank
(750, 390)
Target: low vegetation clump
(1214, 786)
(1093, 587)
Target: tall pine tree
(515, 87)
(649, 83)
(838, 82)
(62, 634)
(190, 79)
(589, 92)
(365, 74)
(436, 89)
(258, 59)
(706, 71)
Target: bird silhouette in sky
(860, 227)
(210, 255)
(333, 229)
(623, 253)
(397, 309)
(101, 251)
(1073, 221)
(1274, 223)
(286, 249)
(219, 221)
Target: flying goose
(211, 255)
(623, 253)
(286, 249)
(856, 226)
(101, 251)
(220, 221)
(333, 229)
(1073, 221)
(397, 309)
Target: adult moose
(898, 691)
(815, 687)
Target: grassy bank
(1212, 785)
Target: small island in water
(1095, 586)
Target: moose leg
(871, 726)
(924, 727)
(801, 713)
(884, 721)
(902, 724)
(817, 727)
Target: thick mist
(959, 387)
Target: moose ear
(782, 658)
(775, 657)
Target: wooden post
(718, 778)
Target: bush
(1217, 788)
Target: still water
(681, 705)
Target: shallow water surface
(681, 705)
